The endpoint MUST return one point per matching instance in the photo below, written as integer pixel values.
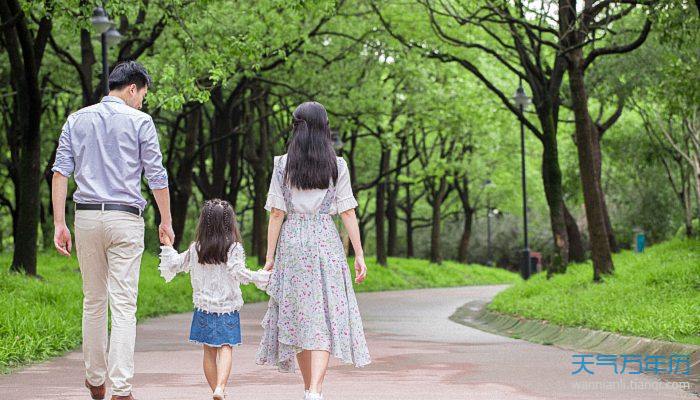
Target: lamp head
(520, 98)
(100, 20)
(113, 37)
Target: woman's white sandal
(219, 394)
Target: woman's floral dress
(312, 302)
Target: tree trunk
(462, 185)
(221, 127)
(87, 60)
(410, 251)
(182, 190)
(577, 252)
(408, 211)
(261, 181)
(697, 192)
(551, 176)
(47, 229)
(463, 255)
(685, 197)
(435, 243)
(392, 207)
(379, 211)
(612, 241)
(391, 223)
(27, 199)
(234, 167)
(435, 249)
(695, 168)
(585, 132)
(598, 157)
(392, 219)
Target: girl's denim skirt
(214, 329)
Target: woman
(312, 311)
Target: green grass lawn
(655, 294)
(41, 318)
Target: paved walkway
(418, 354)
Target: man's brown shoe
(96, 392)
(129, 397)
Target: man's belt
(109, 207)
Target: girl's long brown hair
(217, 230)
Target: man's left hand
(62, 240)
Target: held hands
(360, 269)
(62, 240)
(166, 234)
(166, 241)
(269, 264)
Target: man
(108, 146)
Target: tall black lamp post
(109, 36)
(521, 101)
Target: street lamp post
(109, 36)
(521, 101)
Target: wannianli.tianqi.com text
(629, 385)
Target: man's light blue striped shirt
(108, 146)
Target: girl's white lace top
(215, 288)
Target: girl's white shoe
(313, 396)
(219, 394)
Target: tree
(578, 32)
(25, 44)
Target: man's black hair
(129, 72)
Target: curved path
(418, 354)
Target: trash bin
(639, 241)
(527, 269)
(535, 262)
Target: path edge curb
(475, 314)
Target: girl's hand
(166, 240)
(360, 269)
(269, 264)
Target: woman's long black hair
(311, 162)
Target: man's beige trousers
(109, 246)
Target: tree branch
(445, 57)
(595, 53)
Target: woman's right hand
(269, 264)
(360, 269)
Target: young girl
(216, 263)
